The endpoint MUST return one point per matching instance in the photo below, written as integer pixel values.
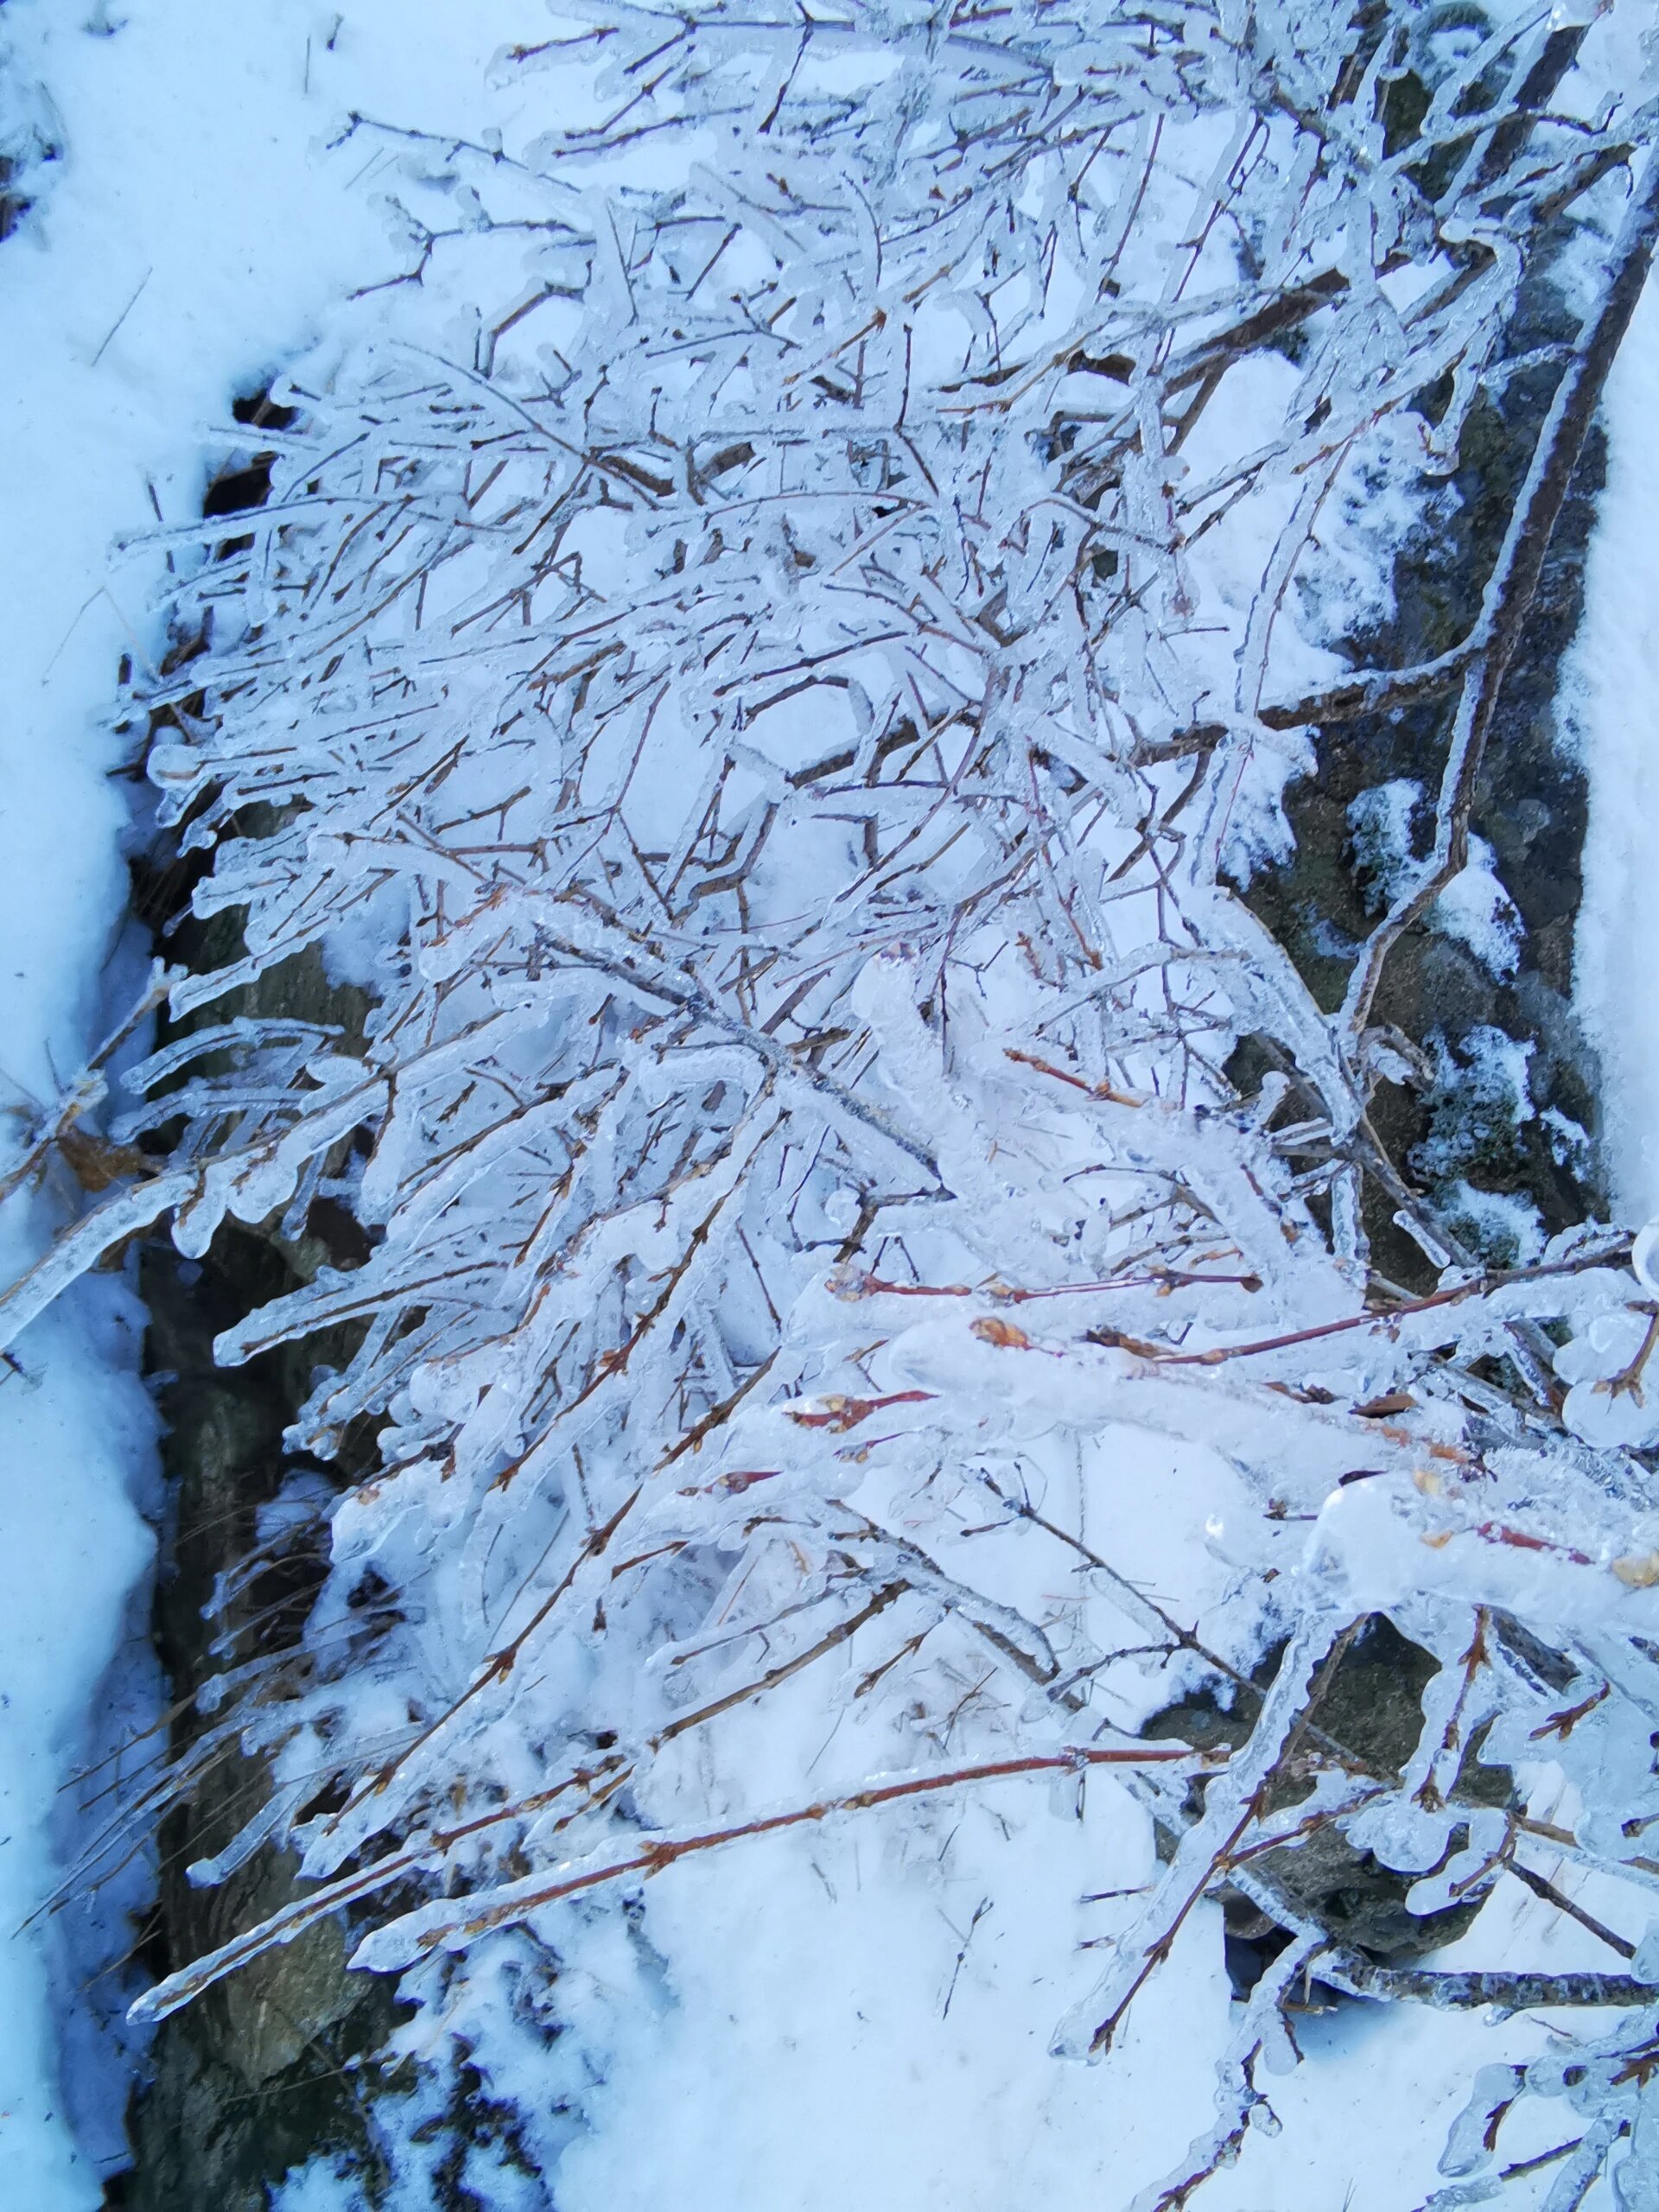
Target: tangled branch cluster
(775, 714)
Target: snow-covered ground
(189, 240)
(840, 2030)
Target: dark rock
(1371, 1706)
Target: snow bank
(1613, 686)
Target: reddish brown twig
(1494, 1532)
(666, 1851)
(1104, 1091)
(1497, 1279)
(861, 1286)
(1563, 1723)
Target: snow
(77, 1436)
(1613, 688)
(878, 2047)
(1475, 908)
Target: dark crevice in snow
(265, 2071)
(1493, 1135)
(276, 2065)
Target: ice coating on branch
(1607, 1403)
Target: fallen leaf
(842, 1413)
(1396, 1401)
(741, 1478)
(992, 1329)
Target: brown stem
(1495, 1279)
(1074, 1759)
(1542, 1886)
